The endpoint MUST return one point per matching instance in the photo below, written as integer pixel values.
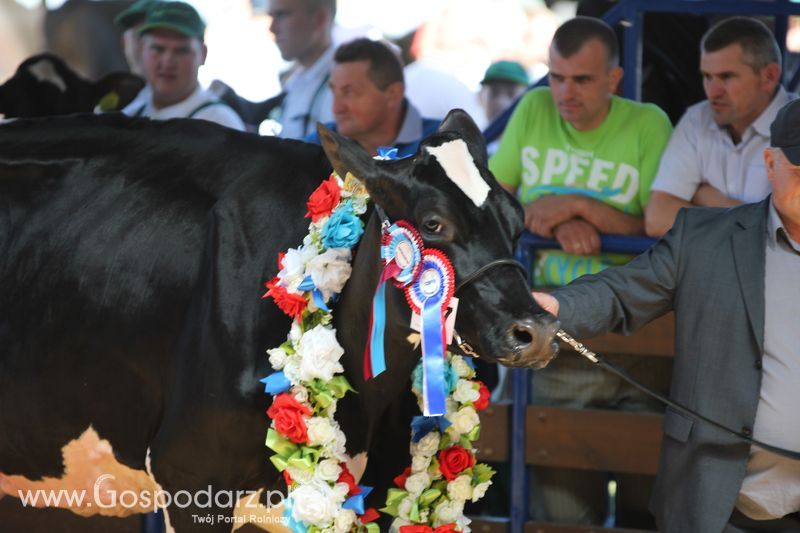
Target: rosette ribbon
(429, 296)
(401, 254)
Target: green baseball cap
(506, 71)
(134, 14)
(175, 16)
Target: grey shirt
(771, 488)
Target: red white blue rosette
(401, 253)
(429, 296)
(402, 244)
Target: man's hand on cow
(545, 213)
(578, 237)
(547, 302)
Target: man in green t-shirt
(581, 161)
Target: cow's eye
(432, 225)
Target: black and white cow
(44, 85)
(132, 336)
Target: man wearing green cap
(503, 83)
(172, 50)
(130, 20)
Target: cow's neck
(352, 319)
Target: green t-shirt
(615, 163)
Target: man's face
(785, 180)
(171, 61)
(497, 95)
(582, 84)
(736, 93)
(361, 108)
(296, 27)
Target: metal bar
(621, 244)
(520, 392)
(632, 44)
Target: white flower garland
(307, 384)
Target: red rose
(290, 303)
(454, 460)
(483, 400)
(289, 416)
(400, 480)
(287, 477)
(347, 477)
(322, 201)
(370, 515)
(414, 528)
(446, 528)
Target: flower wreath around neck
(308, 381)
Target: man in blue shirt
(369, 103)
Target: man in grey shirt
(732, 276)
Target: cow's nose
(532, 339)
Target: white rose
(320, 353)
(480, 490)
(447, 511)
(344, 521)
(404, 508)
(338, 446)
(294, 266)
(314, 504)
(330, 271)
(420, 463)
(450, 405)
(328, 470)
(427, 446)
(277, 358)
(464, 420)
(300, 393)
(320, 431)
(397, 523)
(292, 370)
(300, 475)
(418, 482)
(460, 367)
(341, 490)
(460, 488)
(466, 391)
(295, 332)
(463, 524)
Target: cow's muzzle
(530, 342)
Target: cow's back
(111, 230)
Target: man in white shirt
(172, 51)
(714, 157)
(302, 30)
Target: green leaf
(481, 473)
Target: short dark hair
(757, 42)
(576, 32)
(384, 66)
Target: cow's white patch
(43, 70)
(148, 466)
(455, 159)
(91, 469)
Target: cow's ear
(385, 182)
(116, 90)
(460, 122)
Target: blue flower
(343, 229)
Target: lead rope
(596, 359)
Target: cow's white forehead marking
(455, 159)
(43, 70)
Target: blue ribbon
(291, 523)
(376, 356)
(387, 152)
(319, 301)
(307, 284)
(422, 425)
(355, 503)
(433, 383)
(276, 383)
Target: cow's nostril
(522, 335)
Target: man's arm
(660, 213)
(545, 213)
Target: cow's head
(44, 85)
(447, 192)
